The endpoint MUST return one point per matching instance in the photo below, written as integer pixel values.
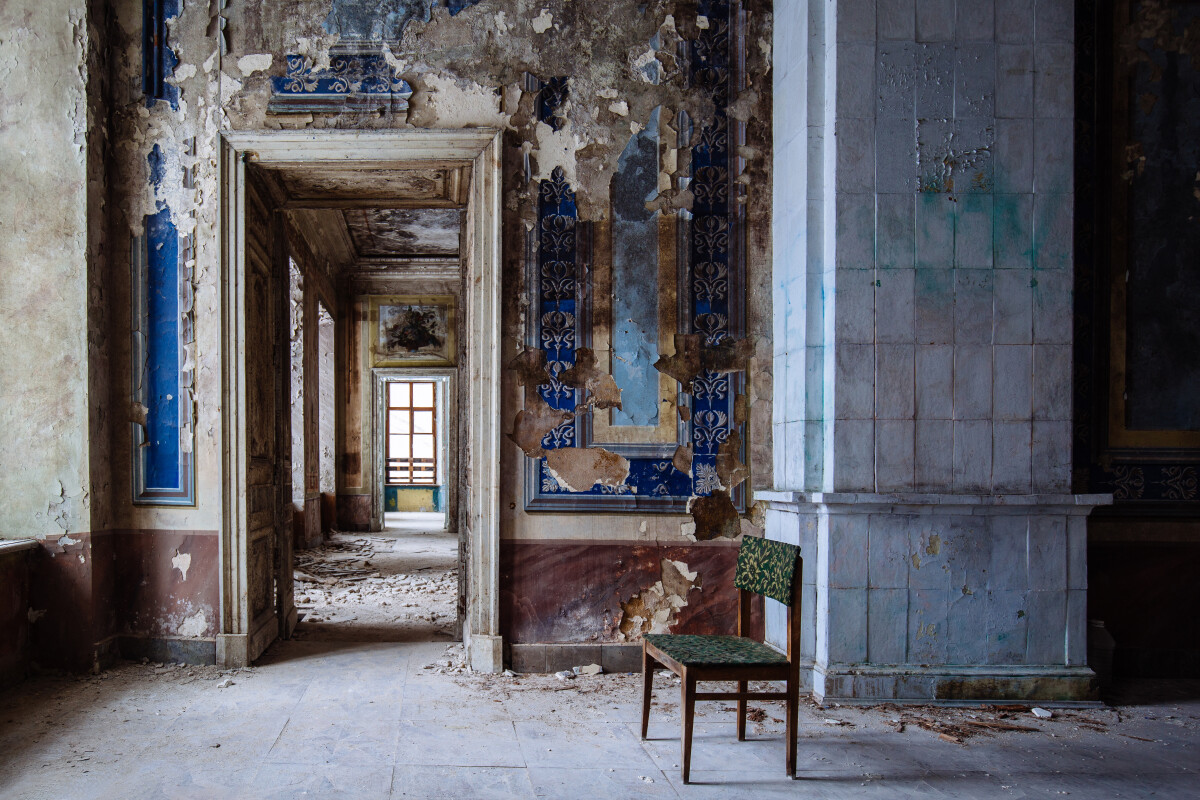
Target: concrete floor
(356, 706)
(414, 521)
(390, 586)
(328, 719)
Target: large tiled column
(923, 273)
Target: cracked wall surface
(74, 74)
(45, 145)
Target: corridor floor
(329, 719)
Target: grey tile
(975, 21)
(577, 744)
(588, 784)
(465, 743)
(935, 20)
(306, 780)
(895, 20)
(452, 783)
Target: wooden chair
(765, 567)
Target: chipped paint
(656, 608)
(195, 625)
(181, 562)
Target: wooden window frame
(389, 461)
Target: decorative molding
(710, 259)
(354, 81)
(1135, 476)
(163, 336)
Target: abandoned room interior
(375, 375)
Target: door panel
(268, 478)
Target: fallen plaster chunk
(542, 22)
(580, 468)
(620, 108)
(565, 675)
(1042, 713)
(182, 562)
(225, 684)
(590, 669)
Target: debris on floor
(378, 587)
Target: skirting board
(954, 685)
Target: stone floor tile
(312, 740)
(339, 781)
(459, 744)
(569, 744)
(456, 783)
(589, 784)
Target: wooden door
(268, 462)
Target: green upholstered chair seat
(713, 651)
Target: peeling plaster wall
(44, 269)
(465, 70)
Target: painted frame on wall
(412, 330)
(708, 261)
(162, 334)
(1159, 467)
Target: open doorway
(280, 188)
(390, 574)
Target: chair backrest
(766, 567)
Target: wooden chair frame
(653, 659)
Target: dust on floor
(388, 587)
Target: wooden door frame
(237, 644)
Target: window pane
(422, 422)
(398, 395)
(422, 394)
(400, 447)
(422, 446)
(398, 422)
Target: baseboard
(554, 657)
(954, 685)
(167, 650)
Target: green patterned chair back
(766, 567)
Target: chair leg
(741, 711)
(687, 709)
(648, 665)
(793, 702)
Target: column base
(954, 685)
(485, 653)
